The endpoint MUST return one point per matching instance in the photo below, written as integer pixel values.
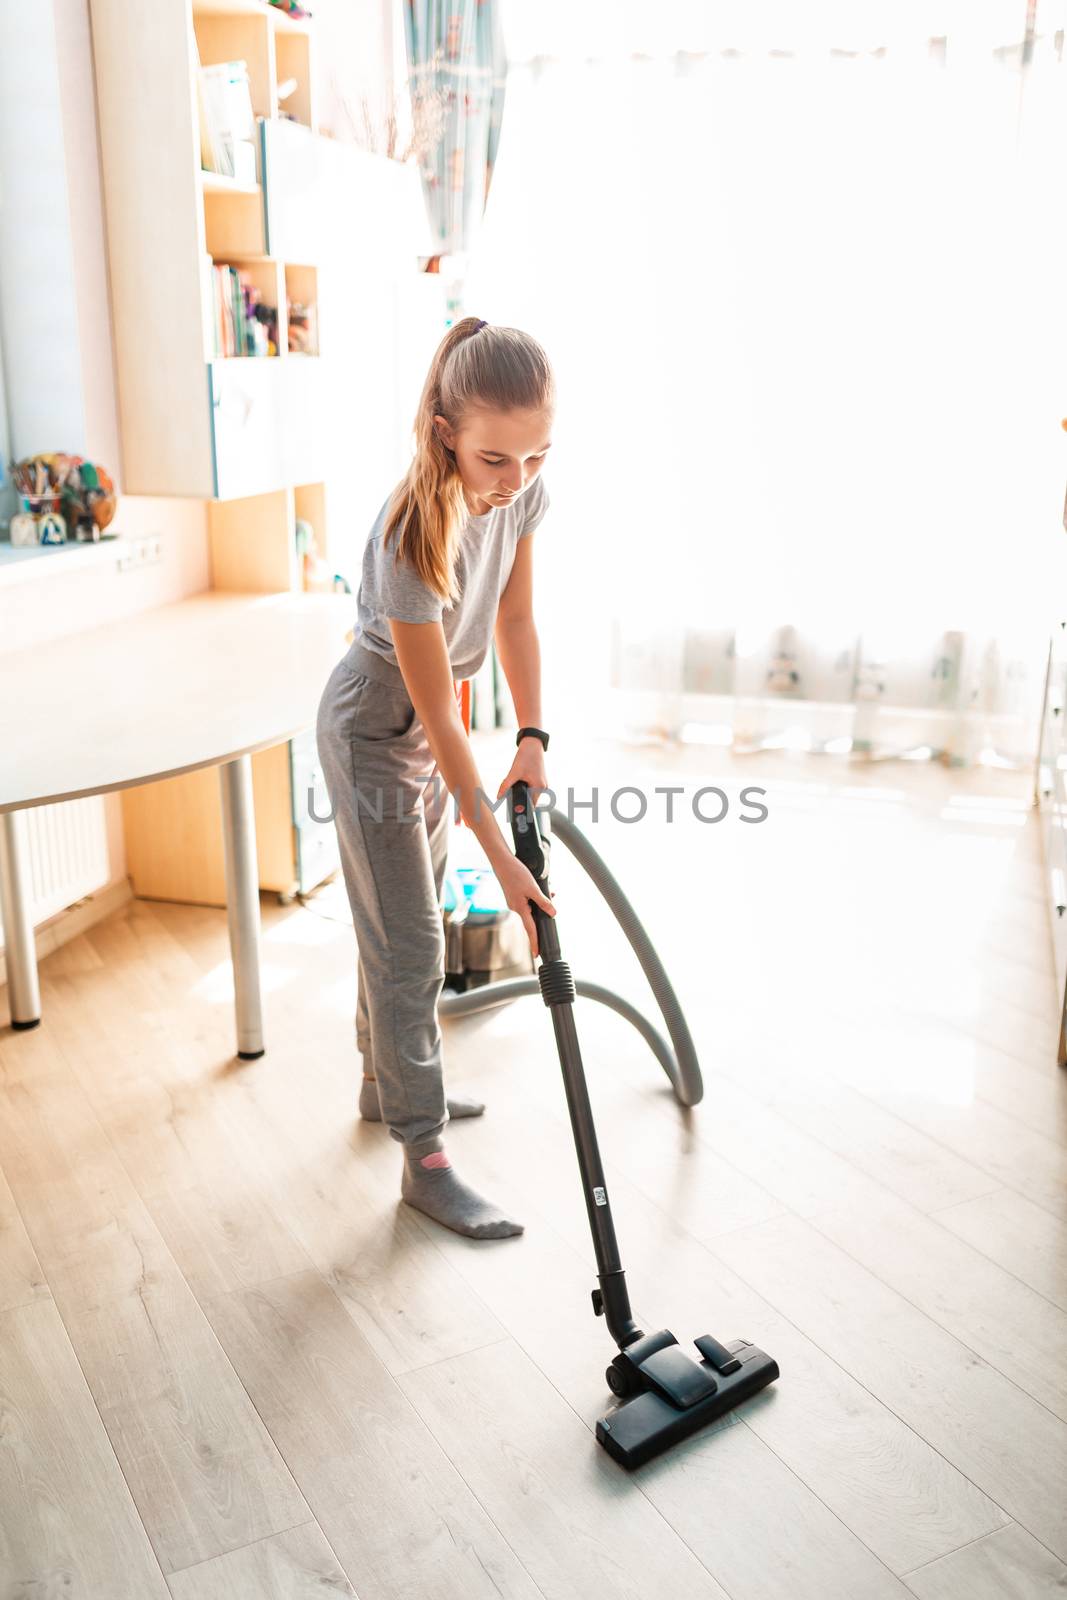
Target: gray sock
(430, 1185)
(371, 1111)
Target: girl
(448, 564)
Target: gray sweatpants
(391, 810)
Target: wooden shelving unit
(241, 430)
(244, 433)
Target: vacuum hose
(678, 1057)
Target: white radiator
(64, 848)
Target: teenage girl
(448, 565)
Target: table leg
(20, 950)
(242, 901)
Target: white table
(206, 682)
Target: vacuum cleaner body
(485, 941)
(666, 1394)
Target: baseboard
(68, 924)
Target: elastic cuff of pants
(424, 1147)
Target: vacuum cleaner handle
(531, 847)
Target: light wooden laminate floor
(232, 1364)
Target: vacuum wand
(557, 990)
(666, 1394)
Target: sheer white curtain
(802, 286)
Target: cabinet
(265, 431)
(1050, 792)
(174, 837)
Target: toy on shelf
(316, 577)
(303, 337)
(24, 530)
(287, 87)
(315, 574)
(63, 494)
(51, 529)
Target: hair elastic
(481, 325)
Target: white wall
(54, 605)
(86, 210)
(7, 493)
(38, 298)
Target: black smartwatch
(538, 733)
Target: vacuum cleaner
(666, 1393)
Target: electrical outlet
(144, 552)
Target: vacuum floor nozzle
(642, 1427)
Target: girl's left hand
(528, 767)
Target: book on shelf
(207, 304)
(227, 120)
(242, 323)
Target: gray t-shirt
(487, 547)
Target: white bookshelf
(194, 424)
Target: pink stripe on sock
(438, 1159)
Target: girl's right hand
(520, 887)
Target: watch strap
(537, 733)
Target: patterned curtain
(458, 74)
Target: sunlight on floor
(299, 929)
(216, 986)
(916, 1061)
(1000, 810)
(339, 998)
